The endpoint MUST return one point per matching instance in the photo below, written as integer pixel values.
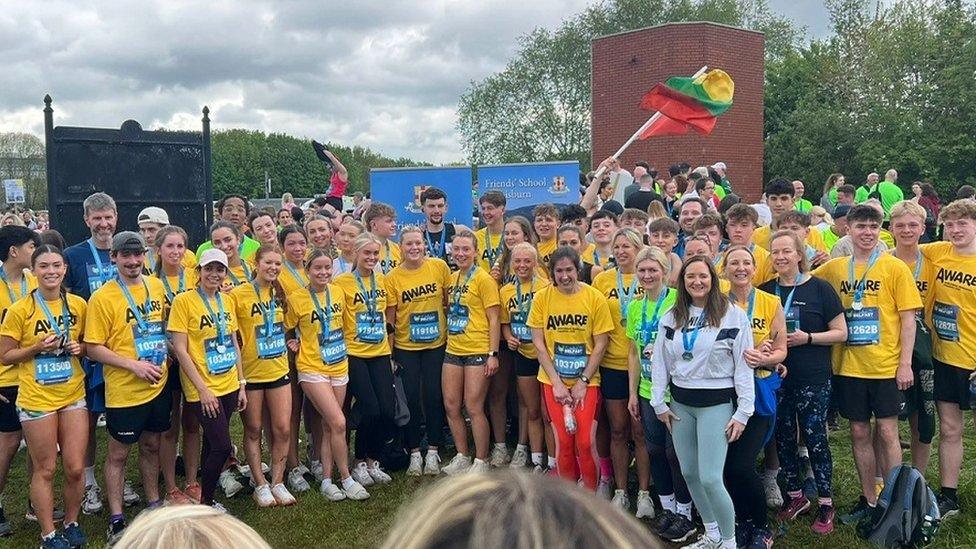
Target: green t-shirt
(635, 315)
(829, 237)
(832, 196)
(803, 205)
(890, 195)
(248, 248)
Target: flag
(688, 103)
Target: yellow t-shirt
(27, 324)
(951, 305)
(9, 375)
(926, 274)
(365, 330)
(569, 323)
(489, 248)
(619, 347)
(418, 297)
(305, 317)
(873, 344)
(390, 256)
(190, 316)
(112, 322)
(763, 312)
(762, 235)
(591, 256)
(174, 286)
(238, 275)
(885, 236)
(263, 355)
(468, 331)
(546, 250)
(292, 282)
(188, 262)
(515, 312)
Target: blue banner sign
(401, 189)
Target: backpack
(873, 192)
(907, 514)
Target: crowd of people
(668, 327)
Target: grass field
(316, 522)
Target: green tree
(22, 157)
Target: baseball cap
(719, 166)
(841, 210)
(128, 241)
(213, 255)
(153, 214)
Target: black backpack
(907, 514)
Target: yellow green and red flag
(688, 103)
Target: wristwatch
(809, 338)
(584, 379)
(492, 354)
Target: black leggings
(371, 384)
(741, 478)
(421, 375)
(216, 443)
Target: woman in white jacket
(698, 359)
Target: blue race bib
(149, 341)
(457, 319)
(945, 317)
(97, 277)
(221, 355)
(424, 327)
(370, 327)
(519, 328)
(863, 327)
(792, 319)
(569, 359)
(52, 369)
(270, 345)
(646, 353)
(332, 348)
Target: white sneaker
(219, 508)
(297, 482)
(432, 464)
(645, 505)
(479, 466)
(360, 473)
(100, 422)
(499, 456)
(621, 500)
(331, 491)
(318, 471)
(416, 467)
(356, 492)
(704, 542)
(378, 475)
(519, 458)
(282, 495)
(229, 484)
(459, 464)
(129, 495)
(263, 497)
(93, 500)
(540, 469)
(603, 487)
(774, 497)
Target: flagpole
(650, 121)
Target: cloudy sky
(385, 74)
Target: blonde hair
(799, 245)
(363, 240)
(466, 233)
(526, 247)
(958, 209)
(819, 210)
(407, 229)
(509, 509)
(15, 218)
(908, 207)
(189, 527)
(656, 211)
(653, 253)
(631, 235)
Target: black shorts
(858, 399)
(465, 360)
(173, 383)
(526, 367)
(127, 424)
(951, 384)
(9, 419)
(614, 384)
(262, 385)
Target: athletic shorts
(9, 420)
(173, 383)
(858, 399)
(951, 384)
(465, 360)
(526, 367)
(335, 381)
(262, 385)
(614, 384)
(31, 415)
(127, 424)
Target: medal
(857, 305)
(687, 355)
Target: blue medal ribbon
(859, 286)
(268, 313)
(493, 253)
(436, 251)
(456, 292)
(689, 343)
(98, 260)
(233, 277)
(294, 274)
(65, 316)
(23, 285)
(218, 320)
(170, 294)
(518, 294)
(324, 316)
(623, 298)
(789, 296)
(369, 298)
(918, 264)
(140, 321)
(644, 334)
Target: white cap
(213, 255)
(719, 166)
(153, 214)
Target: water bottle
(569, 418)
(159, 355)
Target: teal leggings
(700, 443)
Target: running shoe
(520, 458)
(92, 503)
(229, 483)
(416, 467)
(774, 496)
(603, 487)
(680, 529)
(307, 474)
(262, 496)
(218, 507)
(540, 469)
(75, 536)
(331, 491)
(57, 541)
(645, 505)
(664, 522)
(57, 515)
(825, 520)
(621, 500)
(762, 538)
(4, 525)
(948, 507)
(458, 465)
(360, 473)
(297, 482)
(794, 508)
(129, 495)
(317, 470)
(378, 475)
(479, 466)
(704, 542)
(177, 497)
(101, 421)
(282, 495)
(432, 464)
(355, 491)
(115, 531)
(194, 492)
(858, 513)
(499, 456)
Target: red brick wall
(626, 66)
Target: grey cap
(128, 241)
(841, 210)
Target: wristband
(809, 338)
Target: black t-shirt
(434, 247)
(642, 199)
(817, 304)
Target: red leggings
(578, 448)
